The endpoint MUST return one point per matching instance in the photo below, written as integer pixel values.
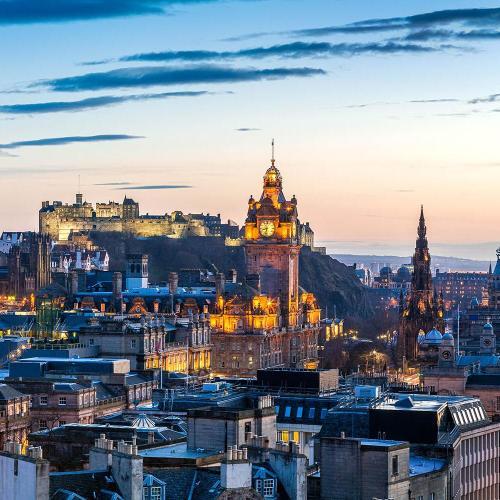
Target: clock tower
(271, 245)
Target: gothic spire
(422, 230)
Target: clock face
(446, 354)
(267, 228)
(487, 342)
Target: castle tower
(271, 244)
(422, 308)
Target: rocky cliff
(333, 283)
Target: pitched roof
(7, 393)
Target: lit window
(299, 412)
(288, 410)
(277, 409)
(312, 411)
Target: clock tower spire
(271, 243)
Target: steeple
(272, 153)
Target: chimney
(220, 282)
(233, 275)
(173, 284)
(236, 470)
(127, 470)
(253, 280)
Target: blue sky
(376, 107)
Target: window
(283, 436)
(155, 492)
(62, 422)
(277, 409)
(248, 427)
(62, 401)
(91, 341)
(42, 424)
(299, 411)
(288, 410)
(44, 400)
(432, 496)
(395, 465)
(312, 411)
(324, 411)
(133, 343)
(268, 490)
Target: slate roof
(180, 481)
(7, 393)
(88, 484)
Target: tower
(137, 271)
(487, 340)
(271, 244)
(422, 308)
(447, 351)
(494, 284)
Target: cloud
(112, 184)
(60, 141)
(89, 103)
(489, 98)
(288, 50)
(43, 11)
(471, 17)
(155, 186)
(154, 76)
(5, 154)
(246, 129)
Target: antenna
(272, 153)
(79, 186)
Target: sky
(376, 107)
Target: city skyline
(181, 115)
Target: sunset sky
(376, 107)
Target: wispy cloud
(247, 129)
(120, 183)
(155, 186)
(287, 50)
(43, 11)
(60, 141)
(88, 103)
(470, 17)
(161, 76)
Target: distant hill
(438, 262)
(333, 283)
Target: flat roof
(424, 465)
(179, 450)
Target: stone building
(268, 320)
(77, 390)
(14, 416)
(422, 308)
(173, 344)
(27, 258)
(364, 469)
(60, 221)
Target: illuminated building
(267, 321)
(461, 288)
(61, 221)
(422, 308)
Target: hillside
(333, 283)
